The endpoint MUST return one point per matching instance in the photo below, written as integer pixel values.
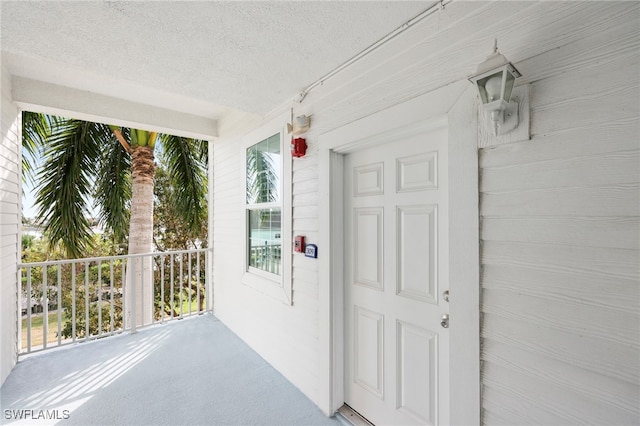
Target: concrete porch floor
(189, 372)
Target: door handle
(444, 322)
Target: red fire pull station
(298, 147)
(298, 245)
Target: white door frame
(456, 103)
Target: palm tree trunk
(139, 291)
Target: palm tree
(114, 166)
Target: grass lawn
(37, 326)
(37, 329)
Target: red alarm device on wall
(298, 244)
(298, 147)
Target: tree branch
(121, 139)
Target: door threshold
(352, 417)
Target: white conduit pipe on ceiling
(402, 28)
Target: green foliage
(27, 241)
(186, 289)
(170, 229)
(113, 190)
(72, 152)
(185, 167)
(100, 320)
(35, 129)
(84, 160)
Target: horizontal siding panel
(616, 361)
(606, 232)
(606, 263)
(616, 394)
(9, 219)
(9, 228)
(9, 208)
(304, 173)
(469, 36)
(232, 193)
(542, 399)
(617, 36)
(8, 265)
(305, 212)
(305, 282)
(307, 186)
(308, 263)
(574, 110)
(307, 199)
(610, 293)
(9, 144)
(229, 174)
(8, 242)
(610, 200)
(621, 81)
(308, 225)
(579, 142)
(592, 170)
(10, 159)
(622, 328)
(9, 176)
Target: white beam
(64, 101)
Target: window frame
(270, 284)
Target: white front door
(396, 272)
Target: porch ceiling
(201, 58)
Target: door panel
(416, 252)
(369, 350)
(396, 246)
(368, 248)
(416, 371)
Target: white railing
(67, 301)
(267, 257)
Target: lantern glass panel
(490, 87)
(511, 79)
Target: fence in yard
(67, 301)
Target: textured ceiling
(200, 57)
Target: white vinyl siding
(584, 102)
(10, 159)
(560, 231)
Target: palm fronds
(186, 165)
(36, 130)
(113, 189)
(73, 152)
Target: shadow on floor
(188, 372)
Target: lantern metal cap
(494, 61)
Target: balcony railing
(67, 301)
(267, 257)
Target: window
(266, 210)
(264, 206)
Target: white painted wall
(561, 239)
(559, 213)
(10, 158)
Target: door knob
(444, 322)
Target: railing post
(132, 296)
(29, 310)
(45, 308)
(207, 277)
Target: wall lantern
(495, 78)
